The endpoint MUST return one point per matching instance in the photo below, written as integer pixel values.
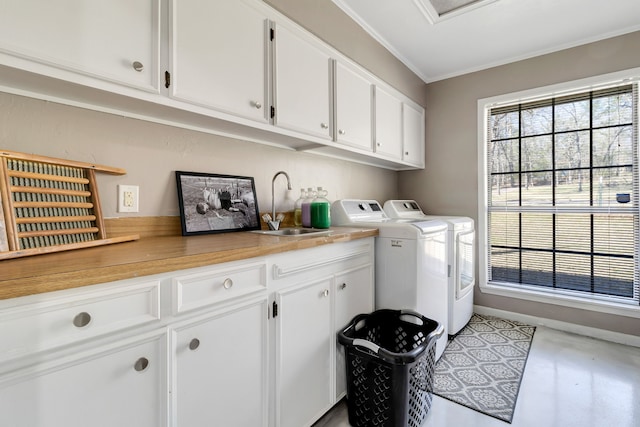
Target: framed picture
(212, 203)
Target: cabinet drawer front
(308, 264)
(50, 324)
(202, 289)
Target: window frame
(532, 293)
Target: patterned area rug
(482, 367)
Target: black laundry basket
(390, 358)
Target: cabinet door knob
(82, 319)
(379, 144)
(137, 65)
(325, 293)
(342, 131)
(228, 283)
(406, 153)
(343, 286)
(324, 125)
(256, 104)
(194, 344)
(141, 364)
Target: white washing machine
(411, 266)
(460, 258)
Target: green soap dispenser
(321, 210)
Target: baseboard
(601, 334)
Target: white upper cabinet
(302, 84)
(388, 119)
(219, 56)
(115, 40)
(353, 106)
(413, 131)
(232, 67)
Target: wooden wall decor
(50, 205)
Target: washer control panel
(402, 209)
(348, 211)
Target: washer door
(465, 263)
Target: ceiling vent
(439, 10)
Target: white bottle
(306, 207)
(297, 208)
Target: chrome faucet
(272, 221)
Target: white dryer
(411, 266)
(460, 258)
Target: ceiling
(485, 33)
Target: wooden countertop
(150, 255)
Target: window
(561, 197)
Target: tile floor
(569, 381)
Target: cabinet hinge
(274, 309)
(272, 34)
(167, 79)
(273, 112)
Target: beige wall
(449, 183)
(150, 153)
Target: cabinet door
(220, 369)
(353, 107)
(219, 56)
(302, 84)
(388, 135)
(116, 387)
(353, 296)
(303, 354)
(116, 40)
(413, 131)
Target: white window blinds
(563, 195)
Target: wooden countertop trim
(149, 256)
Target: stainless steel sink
(293, 232)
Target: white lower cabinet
(354, 295)
(224, 345)
(219, 368)
(316, 295)
(108, 386)
(304, 347)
